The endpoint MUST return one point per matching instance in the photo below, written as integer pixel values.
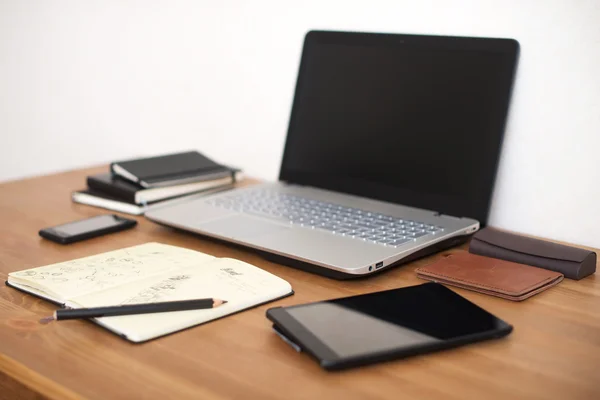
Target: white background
(87, 82)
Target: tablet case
(572, 262)
(491, 276)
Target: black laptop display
(423, 129)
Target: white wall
(87, 82)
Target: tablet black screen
(400, 319)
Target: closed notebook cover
(170, 169)
(100, 199)
(491, 276)
(114, 186)
(95, 198)
(130, 192)
(572, 262)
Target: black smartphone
(382, 326)
(87, 228)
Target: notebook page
(89, 274)
(241, 284)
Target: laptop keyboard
(339, 220)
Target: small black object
(87, 228)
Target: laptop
(391, 154)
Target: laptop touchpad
(241, 227)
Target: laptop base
(329, 273)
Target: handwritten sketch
(153, 273)
(231, 271)
(110, 269)
(158, 292)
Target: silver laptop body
(345, 253)
(320, 216)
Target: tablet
(386, 325)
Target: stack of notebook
(133, 186)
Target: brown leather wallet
(491, 276)
(572, 262)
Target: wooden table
(553, 353)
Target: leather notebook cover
(170, 169)
(491, 276)
(572, 262)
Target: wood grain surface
(553, 352)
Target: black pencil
(129, 309)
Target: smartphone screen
(87, 225)
(87, 228)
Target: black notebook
(112, 193)
(172, 169)
(96, 198)
(130, 192)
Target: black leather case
(572, 262)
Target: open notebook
(152, 272)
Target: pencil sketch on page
(159, 291)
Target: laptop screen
(413, 120)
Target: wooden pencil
(130, 309)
